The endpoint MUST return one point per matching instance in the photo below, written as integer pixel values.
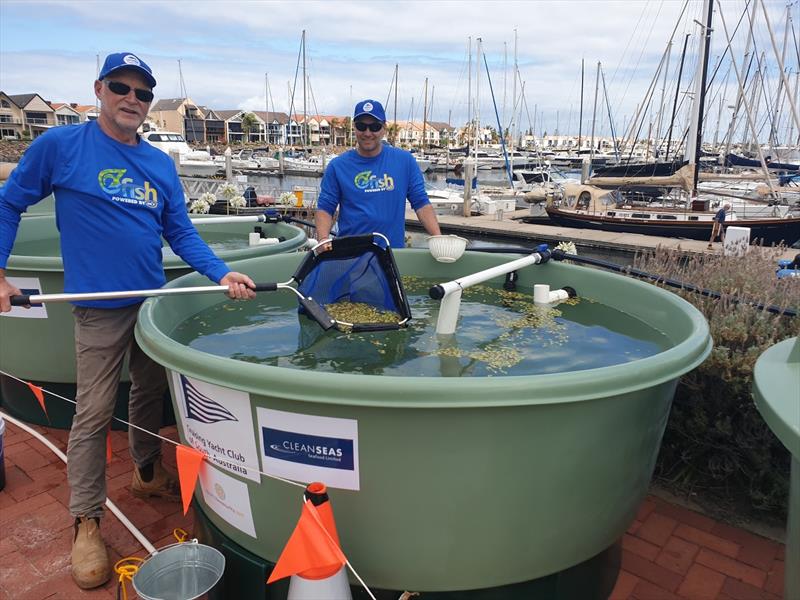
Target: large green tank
(456, 483)
(37, 344)
(776, 389)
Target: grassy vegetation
(717, 450)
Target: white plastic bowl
(446, 248)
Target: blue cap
(373, 108)
(127, 60)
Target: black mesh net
(357, 269)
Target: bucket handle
(192, 541)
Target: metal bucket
(180, 572)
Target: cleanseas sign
(308, 448)
(328, 452)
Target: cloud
(226, 50)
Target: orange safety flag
(37, 391)
(109, 450)
(189, 460)
(310, 548)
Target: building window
(36, 118)
(4, 104)
(7, 134)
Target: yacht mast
(469, 90)
(580, 114)
(425, 115)
(513, 128)
(395, 91)
(695, 140)
(305, 119)
(748, 111)
(505, 77)
(792, 105)
(594, 112)
(185, 97)
(661, 108)
(677, 94)
(478, 50)
(266, 104)
(740, 96)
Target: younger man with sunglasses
(116, 196)
(370, 184)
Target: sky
(223, 54)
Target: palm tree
(249, 122)
(391, 132)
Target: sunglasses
(373, 127)
(122, 89)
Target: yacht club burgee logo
(202, 408)
(219, 422)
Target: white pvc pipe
(241, 219)
(542, 294)
(111, 506)
(451, 300)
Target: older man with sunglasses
(370, 184)
(116, 196)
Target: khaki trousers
(102, 339)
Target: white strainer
(446, 248)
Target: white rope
(113, 508)
(161, 437)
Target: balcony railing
(10, 119)
(35, 121)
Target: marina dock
(512, 228)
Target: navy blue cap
(127, 60)
(373, 108)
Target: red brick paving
(669, 551)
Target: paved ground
(669, 552)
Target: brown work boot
(164, 483)
(90, 566)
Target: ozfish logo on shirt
(123, 189)
(370, 183)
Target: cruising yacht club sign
(219, 422)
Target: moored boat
(192, 163)
(590, 207)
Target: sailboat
(662, 199)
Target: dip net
(356, 280)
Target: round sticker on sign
(368, 106)
(130, 59)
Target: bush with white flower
(237, 202)
(228, 191)
(199, 206)
(568, 247)
(287, 198)
(208, 198)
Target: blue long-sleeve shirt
(371, 192)
(114, 202)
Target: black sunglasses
(122, 89)
(373, 127)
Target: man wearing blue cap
(116, 196)
(370, 184)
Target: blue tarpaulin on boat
(454, 181)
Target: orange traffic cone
(312, 556)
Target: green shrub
(717, 448)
